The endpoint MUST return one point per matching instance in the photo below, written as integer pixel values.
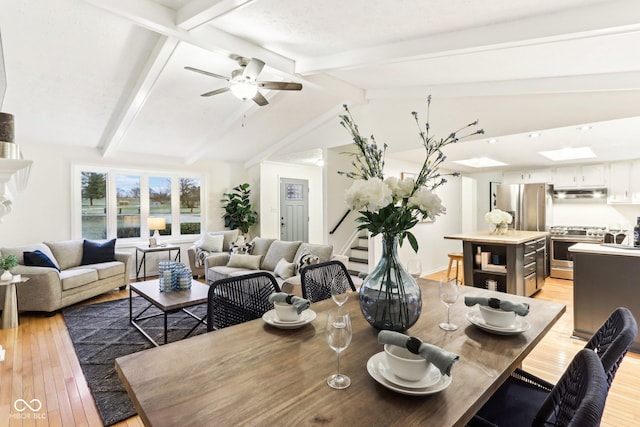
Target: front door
(294, 209)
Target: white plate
(307, 316)
(475, 317)
(432, 377)
(378, 358)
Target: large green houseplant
(238, 209)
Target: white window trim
(144, 174)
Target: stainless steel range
(563, 237)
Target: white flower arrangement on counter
(498, 217)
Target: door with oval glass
(294, 209)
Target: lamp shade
(244, 90)
(156, 223)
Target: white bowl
(498, 318)
(286, 312)
(404, 364)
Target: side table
(10, 310)
(142, 265)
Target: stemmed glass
(448, 296)
(614, 229)
(414, 268)
(338, 333)
(339, 292)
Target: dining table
(255, 374)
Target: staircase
(359, 255)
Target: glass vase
(499, 229)
(390, 298)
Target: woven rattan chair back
(239, 299)
(613, 339)
(578, 399)
(317, 280)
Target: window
(117, 203)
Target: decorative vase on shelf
(390, 298)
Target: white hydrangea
(427, 201)
(401, 189)
(498, 216)
(371, 194)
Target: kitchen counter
(516, 260)
(511, 237)
(604, 278)
(592, 248)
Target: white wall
(270, 175)
(43, 211)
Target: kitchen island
(604, 278)
(516, 262)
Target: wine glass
(414, 268)
(614, 229)
(448, 296)
(339, 292)
(338, 333)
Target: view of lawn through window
(130, 213)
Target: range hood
(581, 193)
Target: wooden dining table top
(254, 374)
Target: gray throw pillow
(278, 250)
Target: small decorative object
(6, 264)
(155, 224)
(389, 297)
(499, 219)
(173, 276)
(478, 257)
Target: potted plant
(238, 209)
(6, 264)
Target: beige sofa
(49, 290)
(281, 258)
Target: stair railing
(341, 221)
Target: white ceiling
(109, 74)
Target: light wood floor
(41, 364)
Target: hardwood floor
(40, 363)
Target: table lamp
(155, 224)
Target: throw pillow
(279, 249)
(211, 243)
(234, 248)
(38, 258)
(307, 258)
(96, 252)
(250, 262)
(285, 269)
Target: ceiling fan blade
(260, 100)
(279, 85)
(253, 68)
(207, 73)
(215, 92)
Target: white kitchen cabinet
(619, 183)
(586, 176)
(634, 181)
(527, 176)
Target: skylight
(480, 162)
(569, 153)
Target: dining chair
(577, 400)
(316, 279)
(239, 299)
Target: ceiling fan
(244, 84)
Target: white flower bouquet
(498, 217)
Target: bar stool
(459, 260)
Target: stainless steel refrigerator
(529, 204)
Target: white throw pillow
(285, 269)
(211, 243)
(250, 262)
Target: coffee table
(167, 302)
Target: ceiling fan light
(244, 90)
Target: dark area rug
(101, 333)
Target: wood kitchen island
(604, 278)
(517, 262)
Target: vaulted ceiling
(109, 74)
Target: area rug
(101, 333)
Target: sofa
(284, 259)
(209, 243)
(77, 270)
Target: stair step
(359, 254)
(360, 248)
(358, 260)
